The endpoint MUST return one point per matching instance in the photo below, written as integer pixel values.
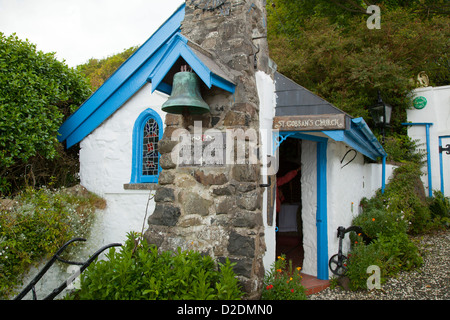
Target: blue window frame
(147, 132)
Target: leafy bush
(398, 252)
(376, 221)
(36, 225)
(361, 257)
(138, 272)
(400, 148)
(388, 218)
(440, 209)
(405, 196)
(282, 283)
(36, 93)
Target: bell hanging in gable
(185, 97)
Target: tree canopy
(327, 47)
(98, 71)
(36, 93)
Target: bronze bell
(185, 97)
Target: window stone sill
(140, 186)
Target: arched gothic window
(147, 132)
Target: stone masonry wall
(217, 210)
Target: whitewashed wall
(437, 112)
(266, 90)
(346, 186)
(105, 166)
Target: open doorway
(289, 235)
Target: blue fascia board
(222, 83)
(353, 140)
(122, 74)
(164, 88)
(359, 137)
(369, 138)
(178, 47)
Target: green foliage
(377, 221)
(392, 253)
(400, 148)
(361, 257)
(440, 209)
(283, 282)
(337, 57)
(404, 196)
(138, 272)
(36, 225)
(440, 205)
(388, 218)
(98, 71)
(36, 93)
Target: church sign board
(310, 122)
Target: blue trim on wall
(138, 129)
(383, 175)
(427, 133)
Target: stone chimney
(217, 209)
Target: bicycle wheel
(338, 267)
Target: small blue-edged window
(147, 132)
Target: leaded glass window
(147, 131)
(150, 148)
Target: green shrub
(400, 148)
(393, 253)
(36, 93)
(36, 226)
(138, 272)
(398, 253)
(375, 221)
(405, 196)
(439, 205)
(282, 283)
(404, 193)
(440, 210)
(361, 257)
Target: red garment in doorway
(281, 181)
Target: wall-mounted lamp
(381, 114)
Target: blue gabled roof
(151, 62)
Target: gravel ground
(430, 282)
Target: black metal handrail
(58, 290)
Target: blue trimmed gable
(150, 63)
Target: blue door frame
(321, 214)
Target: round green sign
(420, 102)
